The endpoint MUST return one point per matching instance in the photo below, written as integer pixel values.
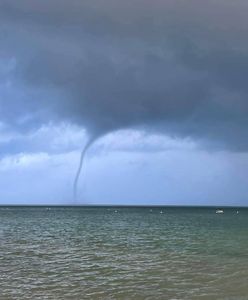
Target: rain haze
(154, 91)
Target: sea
(123, 253)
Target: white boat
(219, 211)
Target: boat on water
(219, 211)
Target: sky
(156, 89)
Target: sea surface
(123, 253)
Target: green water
(131, 253)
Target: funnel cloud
(82, 157)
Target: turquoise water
(123, 253)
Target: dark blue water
(123, 253)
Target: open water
(123, 253)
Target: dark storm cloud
(179, 67)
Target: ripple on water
(94, 253)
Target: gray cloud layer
(178, 67)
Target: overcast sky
(160, 87)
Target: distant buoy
(161, 212)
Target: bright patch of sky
(126, 167)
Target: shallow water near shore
(123, 253)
